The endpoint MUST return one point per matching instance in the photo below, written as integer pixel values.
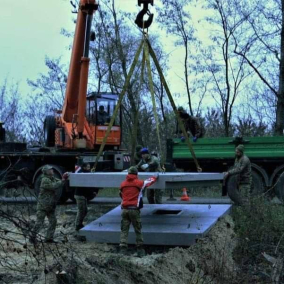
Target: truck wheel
(257, 184)
(49, 131)
(61, 195)
(233, 191)
(279, 187)
(235, 195)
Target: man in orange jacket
(131, 192)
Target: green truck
(217, 155)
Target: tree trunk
(280, 100)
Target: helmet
(133, 170)
(181, 109)
(144, 151)
(46, 168)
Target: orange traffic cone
(184, 197)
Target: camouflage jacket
(242, 168)
(191, 124)
(137, 158)
(153, 162)
(48, 187)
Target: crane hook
(139, 19)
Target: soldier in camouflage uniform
(137, 155)
(242, 168)
(191, 124)
(81, 195)
(46, 204)
(151, 163)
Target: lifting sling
(147, 52)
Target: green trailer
(217, 155)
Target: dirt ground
(69, 260)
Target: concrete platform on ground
(163, 224)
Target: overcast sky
(30, 31)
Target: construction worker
(242, 168)
(102, 116)
(137, 155)
(81, 195)
(151, 163)
(2, 132)
(131, 192)
(47, 203)
(191, 124)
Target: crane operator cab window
(100, 108)
(103, 116)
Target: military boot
(123, 250)
(79, 227)
(140, 252)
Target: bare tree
(11, 110)
(229, 72)
(262, 47)
(176, 19)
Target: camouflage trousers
(154, 196)
(82, 210)
(130, 216)
(41, 213)
(245, 191)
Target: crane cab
(99, 110)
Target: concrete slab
(114, 179)
(163, 224)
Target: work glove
(156, 175)
(182, 139)
(65, 176)
(226, 174)
(144, 167)
(194, 139)
(125, 170)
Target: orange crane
(72, 129)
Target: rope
(181, 125)
(135, 125)
(125, 86)
(151, 85)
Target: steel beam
(165, 180)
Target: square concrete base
(163, 224)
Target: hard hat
(144, 151)
(181, 109)
(1, 122)
(133, 171)
(46, 168)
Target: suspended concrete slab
(165, 180)
(163, 224)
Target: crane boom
(79, 64)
